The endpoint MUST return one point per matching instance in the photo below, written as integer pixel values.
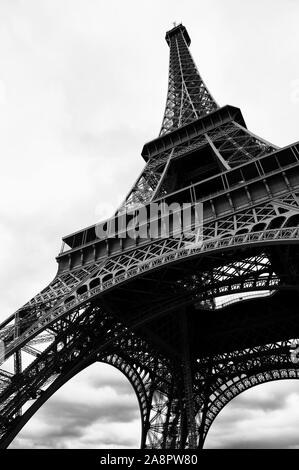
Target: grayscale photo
(149, 228)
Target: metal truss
(224, 233)
(188, 97)
(247, 274)
(117, 270)
(187, 100)
(150, 307)
(232, 144)
(233, 373)
(216, 379)
(144, 189)
(94, 335)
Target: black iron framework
(152, 307)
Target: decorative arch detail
(241, 385)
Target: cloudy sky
(82, 87)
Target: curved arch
(82, 289)
(94, 283)
(174, 255)
(258, 227)
(226, 235)
(120, 271)
(114, 360)
(241, 231)
(245, 383)
(276, 222)
(292, 221)
(69, 299)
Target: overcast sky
(82, 87)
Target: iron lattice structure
(152, 307)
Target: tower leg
(188, 385)
(18, 354)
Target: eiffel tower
(190, 321)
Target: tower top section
(179, 29)
(188, 98)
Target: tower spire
(188, 97)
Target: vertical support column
(146, 421)
(171, 428)
(162, 423)
(205, 407)
(202, 426)
(166, 431)
(17, 354)
(188, 384)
